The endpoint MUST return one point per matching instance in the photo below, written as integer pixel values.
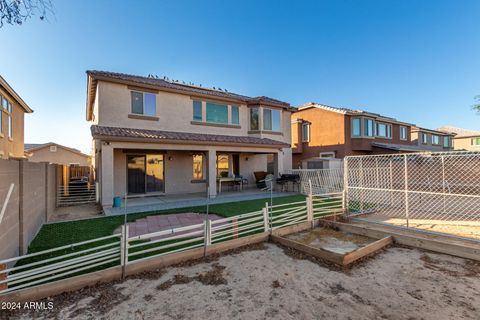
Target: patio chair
(260, 179)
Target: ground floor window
(198, 167)
(223, 165)
(145, 173)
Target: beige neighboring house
(55, 153)
(157, 137)
(464, 139)
(12, 111)
(432, 140)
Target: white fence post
(124, 249)
(345, 186)
(309, 201)
(266, 224)
(406, 187)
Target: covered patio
(162, 170)
(164, 202)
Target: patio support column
(212, 172)
(278, 164)
(107, 175)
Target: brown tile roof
(162, 84)
(353, 112)
(171, 136)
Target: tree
(476, 106)
(15, 12)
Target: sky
(417, 61)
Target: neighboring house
(320, 131)
(464, 139)
(12, 110)
(152, 136)
(55, 153)
(432, 140)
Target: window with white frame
(435, 139)
(53, 148)
(403, 133)
(235, 115)
(217, 113)
(271, 119)
(446, 141)
(197, 110)
(306, 132)
(424, 138)
(10, 123)
(476, 142)
(368, 127)
(254, 118)
(144, 103)
(356, 127)
(384, 130)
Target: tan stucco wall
(179, 171)
(61, 156)
(32, 201)
(174, 112)
(12, 147)
(465, 144)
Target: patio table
(228, 179)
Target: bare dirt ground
(76, 213)
(267, 281)
(468, 229)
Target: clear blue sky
(418, 61)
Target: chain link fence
(426, 186)
(323, 180)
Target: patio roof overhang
(171, 137)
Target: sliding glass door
(145, 173)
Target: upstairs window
(144, 103)
(217, 113)
(384, 130)
(424, 138)
(369, 128)
(435, 139)
(254, 122)
(476, 142)
(305, 132)
(197, 110)
(235, 115)
(446, 141)
(356, 127)
(10, 124)
(403, 133)
(271, 120)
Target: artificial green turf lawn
(63, 233)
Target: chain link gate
(417, 189)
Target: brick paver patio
(167, 222)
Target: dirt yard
(267, 281)
(468, 229)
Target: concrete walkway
(167, 222)
(146, 204)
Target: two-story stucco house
(152, 136)
(12, 111)
(432, 140)
(321, 131)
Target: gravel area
(267, 281)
